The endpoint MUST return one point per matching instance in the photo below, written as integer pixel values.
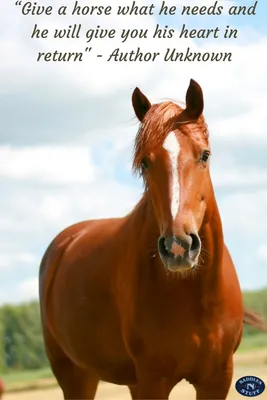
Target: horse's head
(172, 153)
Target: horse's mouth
(179, 263)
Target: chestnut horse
(151, 298)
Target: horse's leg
(133, 391)
(75, 383)
(218, 386)
(151, 388)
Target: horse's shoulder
(79, 230)
(61, 240)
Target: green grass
(253, 342)
(26, 380)
(22, 376)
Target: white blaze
(172, 146)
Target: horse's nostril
(195, 245)
(165, 246)
(162, 246)
(168, 242)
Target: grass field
(28, 380)
(252, 342)
(248, 361)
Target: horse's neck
(145, 222)
(212, 248)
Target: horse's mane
(158, 122)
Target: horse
(153, 297)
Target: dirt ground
(252, 363)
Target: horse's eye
(204, 156)
(144, 163)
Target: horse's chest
(178, 344)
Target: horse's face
(173, 152)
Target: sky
(67, 130)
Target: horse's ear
(140, 103)
(194, 100)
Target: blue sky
(67, 132)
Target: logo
(250, 386)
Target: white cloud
(29, 289)
(46, 164)
(17, 260)
(262, 253)
(250, 125)
(239, 176)
(107, 198)
(26, 290)
(35, 215)
(244, 215)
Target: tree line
(21, 340)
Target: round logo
(250, 386)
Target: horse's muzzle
(179, 253)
